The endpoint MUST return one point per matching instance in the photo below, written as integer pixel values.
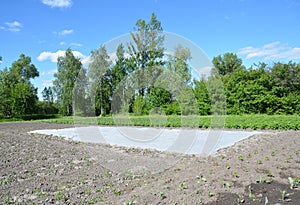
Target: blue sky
(257, 30)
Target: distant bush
(38, 116)
(46, 108)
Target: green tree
(68, 67)
(179, 63)
(119, 70)
(47, 94)
(147, 51)
(100, 77)
(202, 96)
(227, 63)
(17, 95)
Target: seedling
(258, 161)
(107, 174)
(210, 193)
(59, 196)
(202, 178)
(279, 166)
(240, 157)
(228, 166)
(4, 181)
(288, 159)
(226, 184)
(241, 200)
(183, 185)
(293, 183)
(130, 203)
(87, 192)
(267, 158)
(270, 174)
(162, 195)
(117, 192)
(283, 196)
(269, 180)
(251, 195)
(256, 151)
(273, 153)
(236, 175)
(261, 179)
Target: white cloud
(76, 44)
(47, 83)
(52, 56)
(113, 56)
(64, 32)
(62, 43)
(271, 51)
(12, 26)
(50, 72)
(57, 3)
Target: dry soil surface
(37, 169)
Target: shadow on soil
(255, 194)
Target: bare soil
(38, 169)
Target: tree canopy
(143, 79)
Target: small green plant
(279, 166)
(183, 185)
(82, 180)
(59, 196)
(255, 151)
(288, 159)
(228, 166)
(267, 159)
(283, 195)
(117, 192)
(241, 200)
(4, 181)
(210, 193)
(107, 174)
(273, 153)
(293, 182)
(94, 200)
(261, 179)
(87, 192)
(270, 174)
(226, 184)
(202, 178)
(258, 161)
(240, 157)
(269, 180)
(133, 202)
(236, 175)
(162, 195)
(251, 195)
(8, 200)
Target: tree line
(143, 79)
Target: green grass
(274, 122)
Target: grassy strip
(274, 122)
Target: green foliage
(274, 122)
(17, 95)
(202, 96)
(227, 63)
(100, 76)
(146, 80)
(64, 83)
(139, 106)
